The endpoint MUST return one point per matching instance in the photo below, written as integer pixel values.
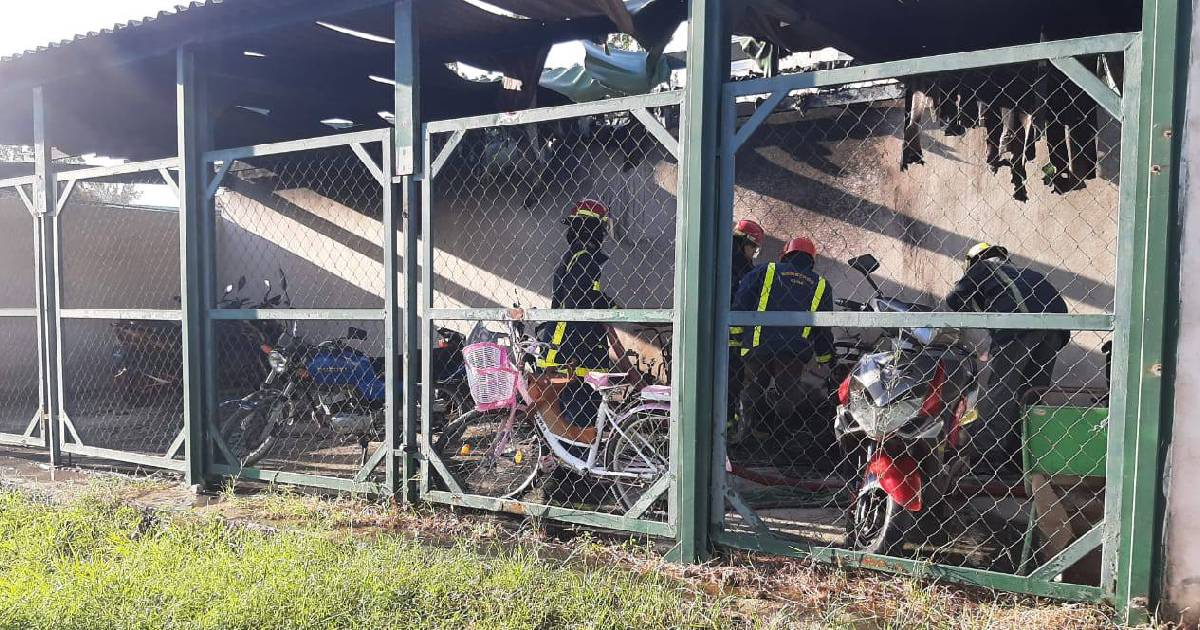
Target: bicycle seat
(656, 393)
(605, 380)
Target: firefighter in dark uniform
(747, 239)
(782, 353)
(1020, 361)
(581, 346)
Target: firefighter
(782, 353)
(747, 240)
(1021, 361)
(580, 346)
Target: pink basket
(492, 379)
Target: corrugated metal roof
(116, 28)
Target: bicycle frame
(606, 417)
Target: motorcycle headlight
(277, 361)
(880, 422)
(925, 335)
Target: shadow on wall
(837, 179)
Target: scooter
(901, 416)
(338, 387)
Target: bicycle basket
(491, 378)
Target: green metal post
(695, 268)
(191, 122)
(408, 138)
(45, 203)
(1148, 402)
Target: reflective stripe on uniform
(560, 330)
(596, 286)
(1010, 285)
(763, 298)
(816, 303)
(735, 336)
(824, 358)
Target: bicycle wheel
(643, 447)
(466, 446)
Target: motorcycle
(901, 417)
(148, 357)
(335, 385)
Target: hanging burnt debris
(1017, 107)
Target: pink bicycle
(518, 431)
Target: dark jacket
(794, 286)
(994, 286)
(577, 286)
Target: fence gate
(117, 316)
(498, 190)
(22, 402)
(994, 467)
(299, 263)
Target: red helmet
(751, 230)
(799, 244)
(589, 209)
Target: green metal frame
(1125, 108)
(218, 163)
(429, 462)
(28, 437)
(1133, 560)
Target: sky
(31, 24)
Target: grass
(94, 563)
(297, 560)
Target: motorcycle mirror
(241, 283)
(282, 280)
(228, 290)
(865, 264)
(356, 334)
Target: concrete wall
(1182, 571)
(834, 174)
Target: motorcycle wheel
(647, 436)
(249, 434)
(878, 524)
(465, 445)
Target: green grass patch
(93, 564)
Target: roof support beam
(45, 193)
(695, 266)
(403, 325)
(193, 225)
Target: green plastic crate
(1066, 440)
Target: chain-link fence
(550, 253)
(20, 398)
(866, 409)
(298, 321)
(118, 318)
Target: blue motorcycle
(337, 387)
